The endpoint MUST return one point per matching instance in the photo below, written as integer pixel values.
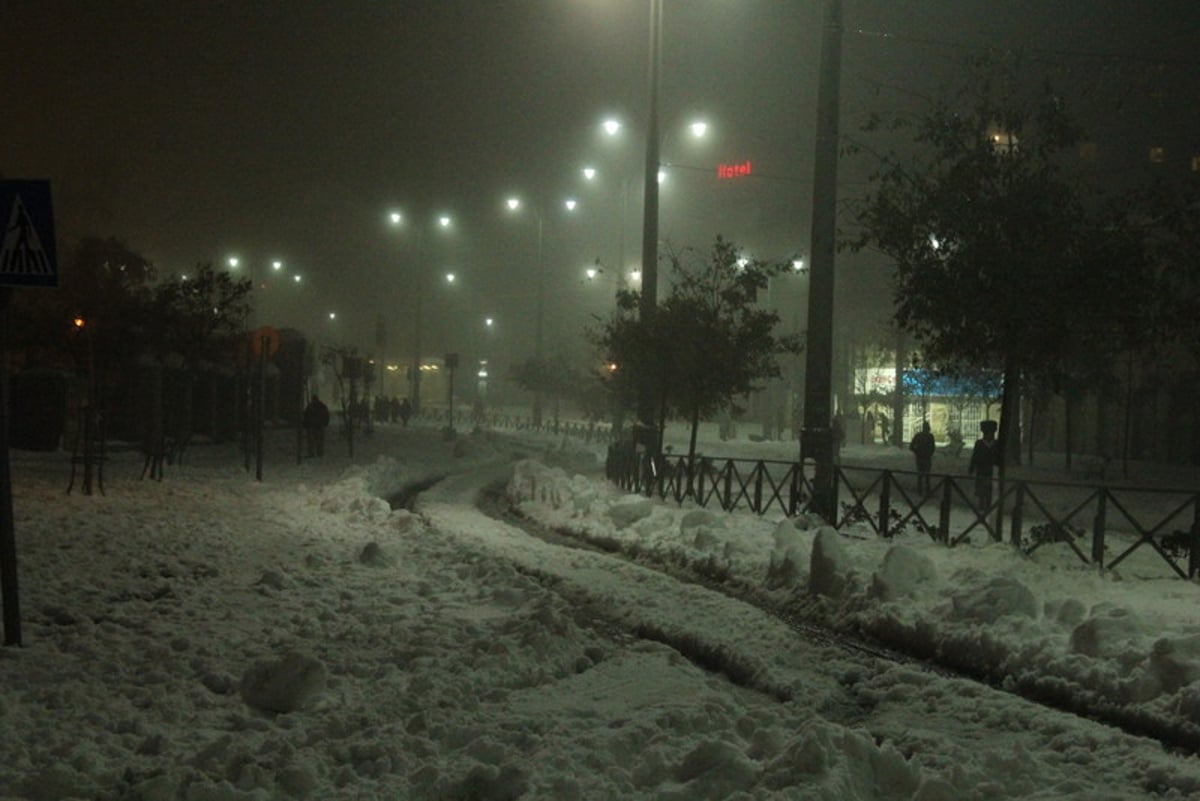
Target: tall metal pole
(816, 440)
(649, 297)
(539, 330)
(8, 540)
(416, 366)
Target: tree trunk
(1010, 414)
(899, 397)
(691, 461)
(1128, 416)
(1070, 427)
(1029, 430)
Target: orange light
(78, 322)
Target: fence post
(1018, 508)
(944, 511)
(725, 501)
(759, 469)
(885, 502)
(1098, 525)
(704, 461)
(792, 492)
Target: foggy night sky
(197, 130)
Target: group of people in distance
(985, 458)
(315, 420)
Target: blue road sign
(27, 252)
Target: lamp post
(514, 205)
(443, 221)
(816, 440)
(652, 438)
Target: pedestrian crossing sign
(27, 253)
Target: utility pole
(647, 417)
(816, 439)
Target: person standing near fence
(923, 446)
(985, 457)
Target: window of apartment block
(1158, 155)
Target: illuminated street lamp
(614, 129)
(443, 221)
(514, 205)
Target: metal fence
(1103, 525)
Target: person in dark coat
(837, 434)
(985, 458)
(923, 446)
(316, 420)
(405, 412)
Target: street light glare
(570, 203)
(444, 221)
(233, 261)
(513, 203)
(333, 315)
(277, 265)
(395, 217)
(611, 126)
(589, 173)
(451, 278)
(296, 278)
(797, 264)
(699, 129)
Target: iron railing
(1101, 525)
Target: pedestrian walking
(985, 457)
(922, 447)
(316, 420)
(837, 433)
(405, 412)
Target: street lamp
(514, 205)
(443, 221)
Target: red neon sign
(733, 170)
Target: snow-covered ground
(212, 637)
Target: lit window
(1158, 155)
(1195, 163)
(1003, 141)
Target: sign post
(27, 258)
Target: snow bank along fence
(1101, 525)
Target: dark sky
(196, 130)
